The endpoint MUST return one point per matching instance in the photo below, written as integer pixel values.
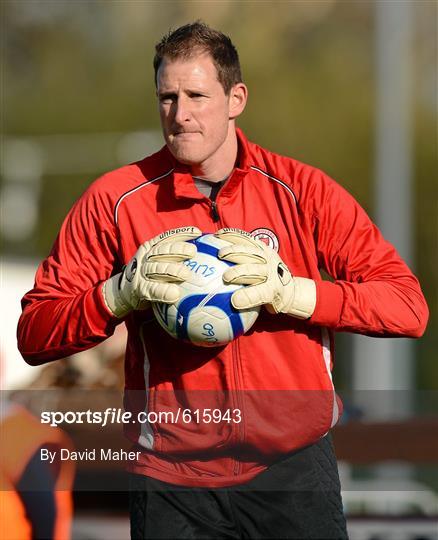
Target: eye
(167, 98)
(197, 95)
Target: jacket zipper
(238, 401)
(214, 212)
(235, 393)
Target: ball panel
(206, 272)
(165, 315)
(209, 327)
(211, 248)
(216, 310)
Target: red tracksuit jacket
(278, 375)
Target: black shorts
(298, 497)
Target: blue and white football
(204, 315)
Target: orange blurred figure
(26, 480)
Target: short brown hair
(197, 36)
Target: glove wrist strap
(113, 298)
(304, 298)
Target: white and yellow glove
(153, 274)
(268, 278)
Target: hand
(153, 274)
(268, 278)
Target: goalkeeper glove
(268, 278)
(153, 274)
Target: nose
(181, 111)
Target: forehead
(197, 69)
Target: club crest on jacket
(267, 236)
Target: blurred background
(349, 87)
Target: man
(273, 474)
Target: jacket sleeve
(373, 292)
(65, 312)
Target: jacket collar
(183, 184)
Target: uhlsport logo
(267, 236)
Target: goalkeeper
(123, 246)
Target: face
(197, 117)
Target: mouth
(184, 133)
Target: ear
(238, 99)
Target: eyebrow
(168, 93)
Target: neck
(219, 166)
